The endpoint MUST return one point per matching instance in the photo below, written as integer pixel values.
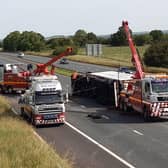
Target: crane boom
(135, 57)
(42, 68)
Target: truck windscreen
(159, 86)
(48, 98)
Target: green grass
(64, 72)
(20, 148)
(112, 56)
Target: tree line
(157, 51)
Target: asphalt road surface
(76, 66)
(108, 139)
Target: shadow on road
(102, 114)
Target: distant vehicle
(20, 54)
(125, 69)
(64, 61)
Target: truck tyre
(22, 112)
(125, 107)
(1, 89)
(121, 106)
(146, 115)
(10, 89)
(32, 121)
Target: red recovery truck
(11, 78)
(15, 77)
(140, 92)
(145, 93)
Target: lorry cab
(43, 103)
(150, 97)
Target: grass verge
(65, 72)
(19, 147)
(112, 56)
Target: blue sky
(63, 17)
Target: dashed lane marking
(137, 132)
(82, 106)
(105, 117)
(101, 146)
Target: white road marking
(105, 117)
(100, 146)
(82, 106)
(90, 139)
(14, 111)
(137, 132)
(39, 137)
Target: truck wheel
(10, 89)
(125, 107)
(146, 116)
(121, 106)
(22, 112)
(33, 122)
(1, 89)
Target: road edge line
(100, 145)
(34, 132)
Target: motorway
(109, 140)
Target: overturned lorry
(148, 96)
(104, 87)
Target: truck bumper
(51, 121)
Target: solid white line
(14, 111)
(34, 132)
(137, 132)
(105, 117)
(39, 137)
(101, 146)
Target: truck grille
(50, 110)
(162, 98)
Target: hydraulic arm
(135, 57)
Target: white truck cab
(43, 103)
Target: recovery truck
(11, 78)
(145, 93)
(140, 92)
(16, 77)
(43, 102)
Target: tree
(24, 41)
(80, 38)
(11, 41)
(119, 38)
(142, 39)
(157, 54)
(91, 38)
(59, 42)
(156, 35)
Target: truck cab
(150, 97)
(43, 103)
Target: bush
(59, 50)
(157, 55)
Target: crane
(139, 74)
(42, 68)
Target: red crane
(42, 68)
(139, 74)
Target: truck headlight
(153, 98)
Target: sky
(65, 17)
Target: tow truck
(44, 103)
(146, 93)
(11, 78)
(141, 92)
